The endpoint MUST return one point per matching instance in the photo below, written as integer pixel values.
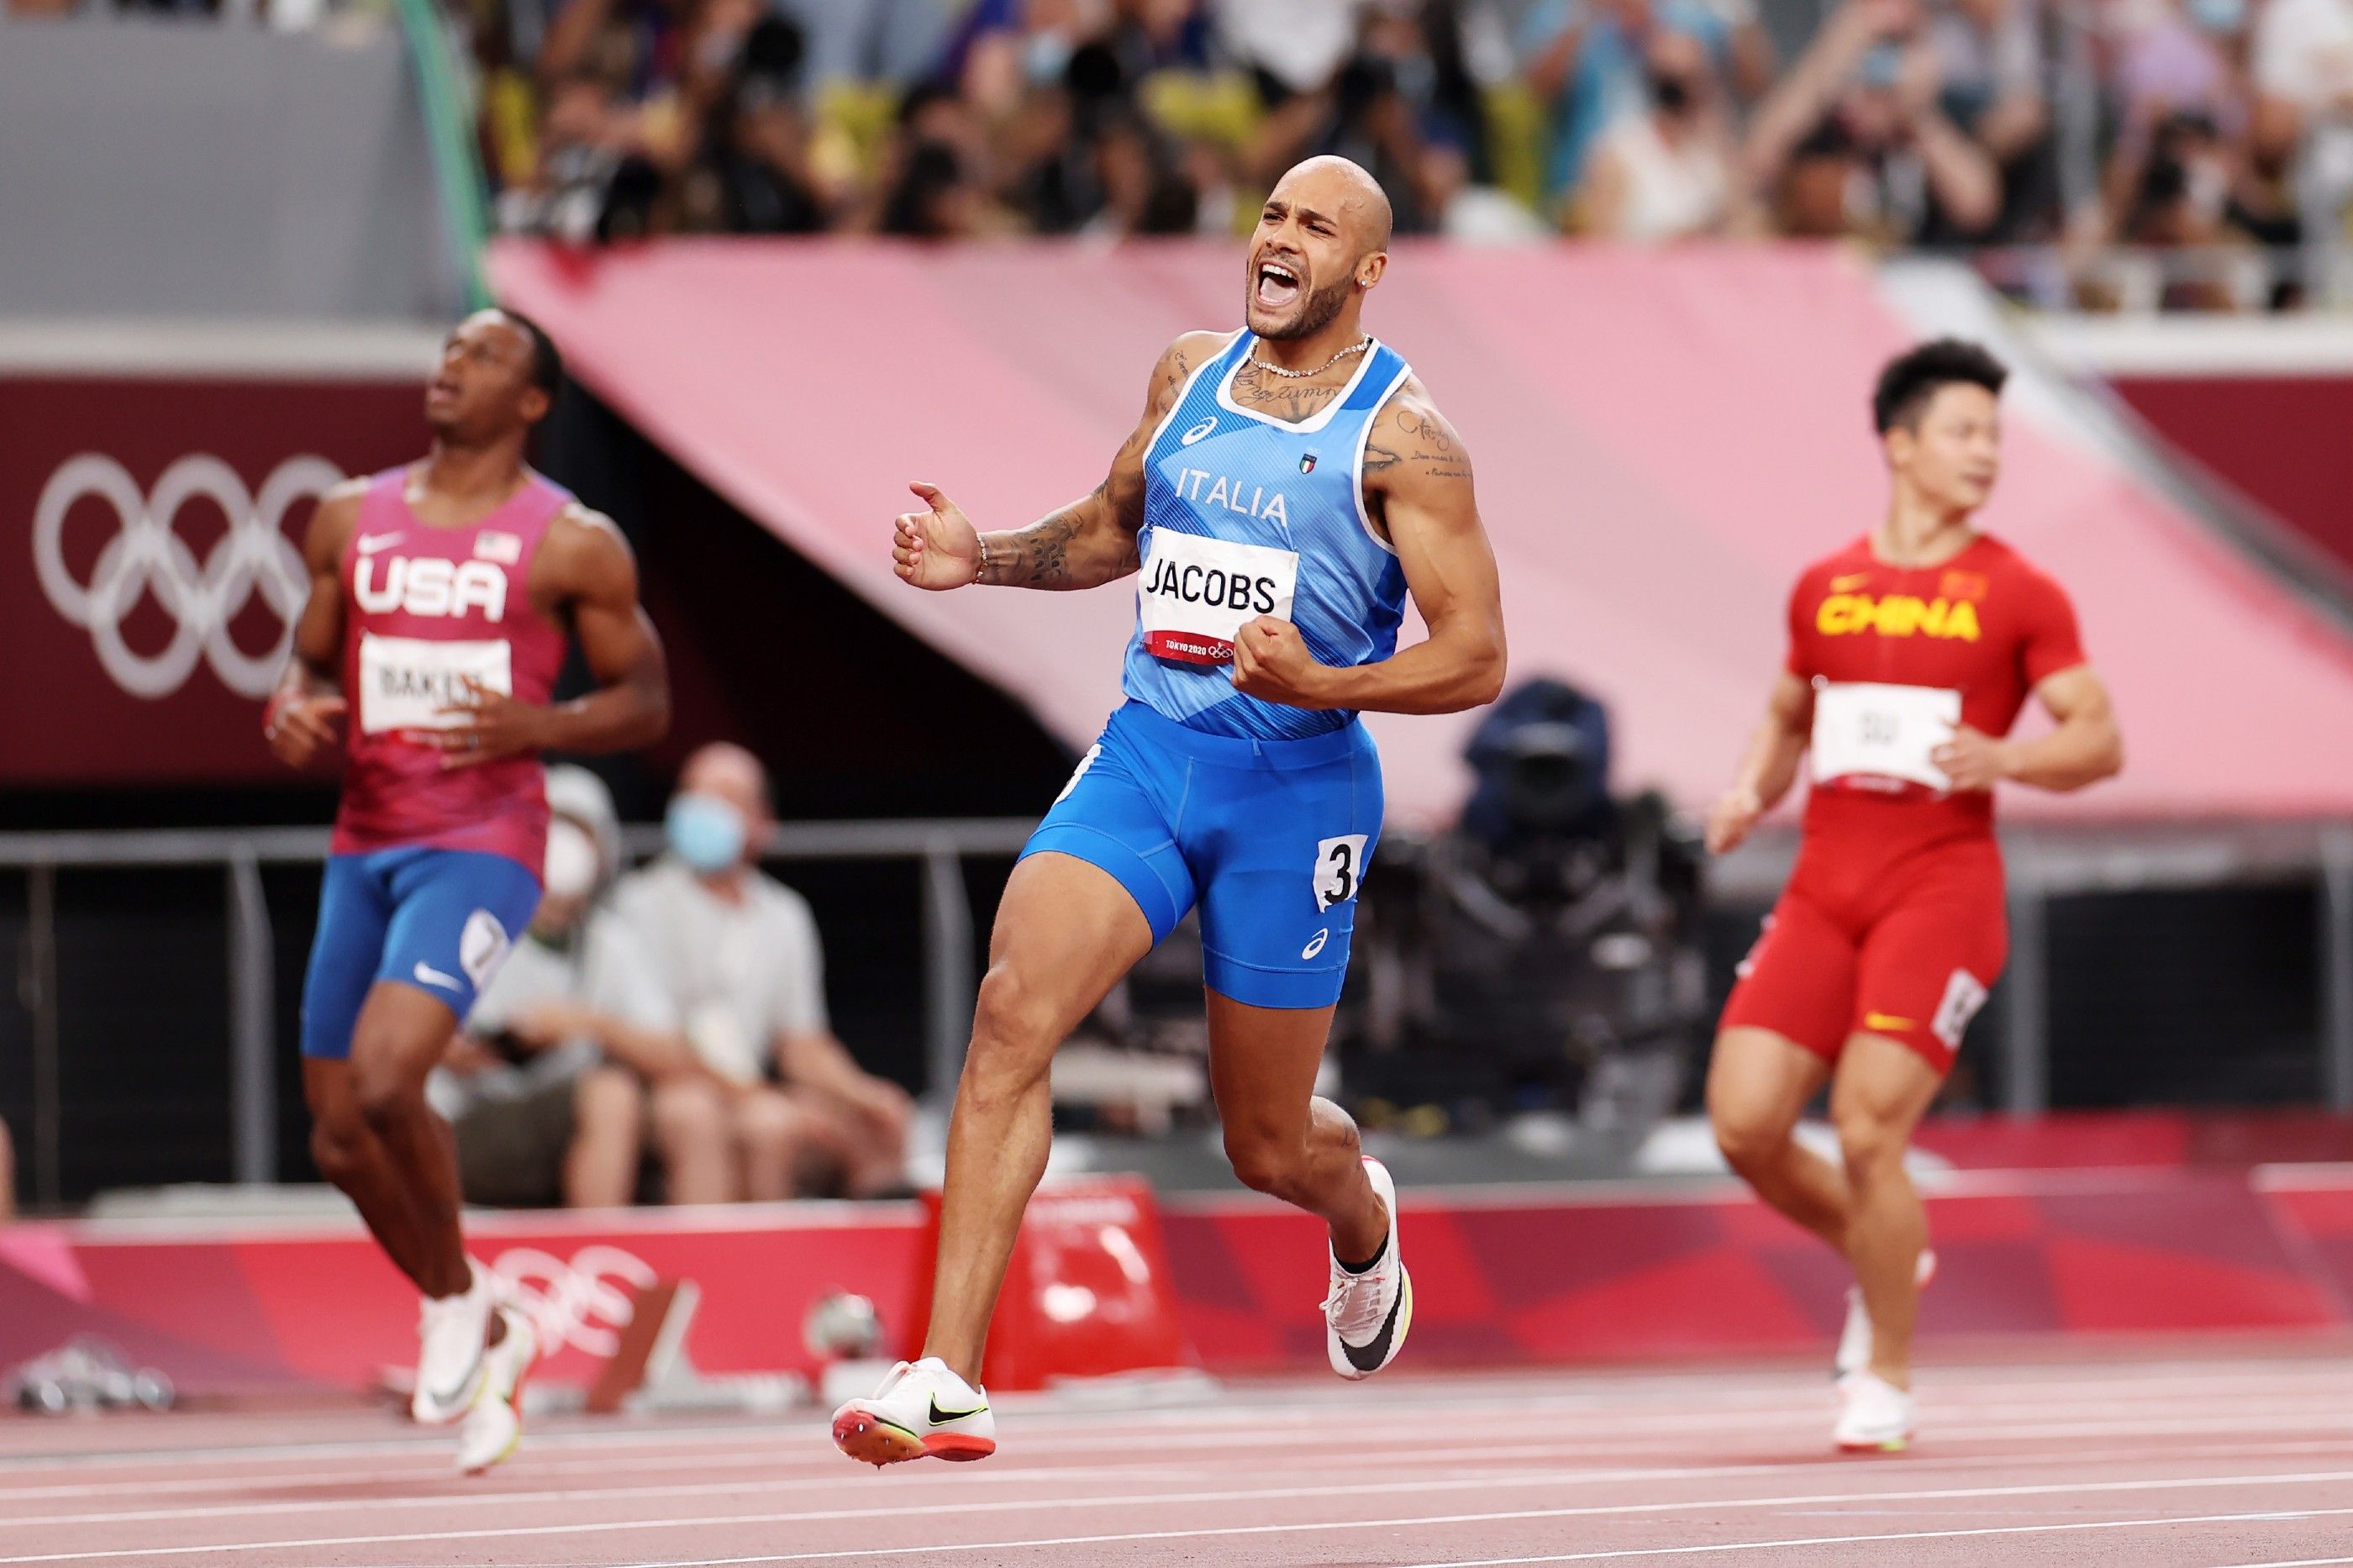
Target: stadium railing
(939, 848)
(2046, 861)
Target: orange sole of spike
(959, 1446)
(872, 1441)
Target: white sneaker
(449, 1363)
(1877, 1417)
(493, 1429)
(1854, 1339)
(1367, 1315)
(922, 1408)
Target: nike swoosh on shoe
(453, 1396)
(942, 1417)
(1368, 1357)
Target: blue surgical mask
(706, 832)
(1045, 58)
(2219, 16)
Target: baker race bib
(1883, 732)
(406, 681)
(1196, 594)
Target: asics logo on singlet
(145, 559)
(1897, 615)
(1197, 431)
(1205, 489)
(428, 585)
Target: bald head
(1348, 190)
(1320, 244)
(729, 773)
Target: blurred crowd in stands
(2204, 135)
(2117, 153)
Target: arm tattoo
(1436, 453)
(1164, 398)
(1041, 556)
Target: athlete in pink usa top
(429, 608)
(442, 598)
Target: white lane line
(792, 1466)
(1825, 1541)
(1942, 1422)
(2297, 1561)
(2072, 1488)
(1448, 1479)
(1951, 1390)
(1951, 1395)
(962, 1478)
(1353, 1461)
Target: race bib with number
(1194, 594)
(405, 682)
(1882, 731)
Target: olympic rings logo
(145, 556)
(583, 1302)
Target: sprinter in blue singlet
(1288, 488)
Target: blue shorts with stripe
(1269, 838)
(440, 921)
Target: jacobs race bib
(1882, 731)
(406, 681)
(1196, 594)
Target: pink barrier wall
(1502, 1277)
(1662, 440)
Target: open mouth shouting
(1278, 286)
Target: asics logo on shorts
(146, 559)
(1315, 943)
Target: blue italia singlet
(1246, 515)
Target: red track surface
(2211, 1459)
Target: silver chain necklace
(1356, 348)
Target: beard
(1316, 313)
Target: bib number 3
(1339, 869)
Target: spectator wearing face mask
(544, 1085)
(1855, 140)
(782, 1109)
(1667, 173)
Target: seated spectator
(1468, 212)
(1990, 77)
(783, 1110)
(754, 175)
(1855, 140)
(934, 179)
(2302, 66)
(544, 1084)
(1584, 63)
(1365, 114)
(1667, 173)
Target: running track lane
(2218, 1460)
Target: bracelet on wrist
(980, 573)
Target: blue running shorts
(1271, 837)
(441, 921)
